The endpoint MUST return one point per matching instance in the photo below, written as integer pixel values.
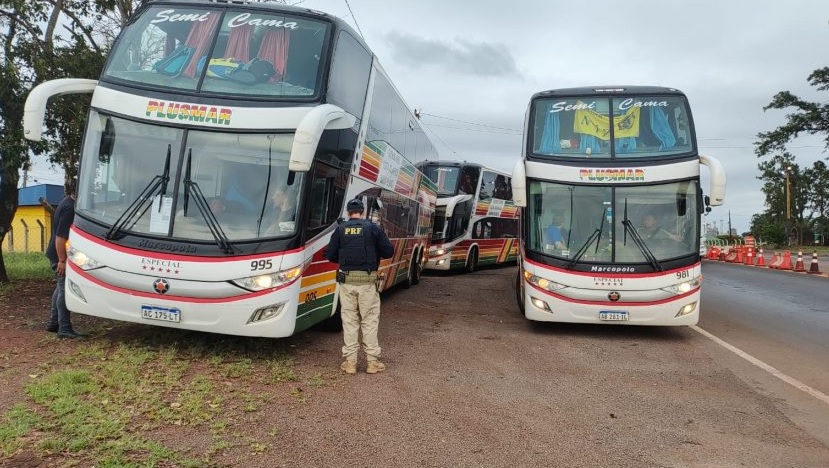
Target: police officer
(358, 245)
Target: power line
(471, 123)
(355, 19)
(510, 132)
(454, 153)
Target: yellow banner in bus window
(590, 122)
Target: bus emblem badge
(161, 286)
(614, 296)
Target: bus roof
(428, 162)
(608, 90)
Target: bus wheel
(472, 261)
(409, 281)
(417, 269)
(519, 292)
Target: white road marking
(762, 365)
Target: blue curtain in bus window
(662, 129)
(552, 130)
(588, 141)
(626, 145)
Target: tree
(32, 51)
(809, 187)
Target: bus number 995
(261, 265)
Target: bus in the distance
(609, 185)
(475, 221)
(223, 142)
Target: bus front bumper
(542, 307)
(269, 315)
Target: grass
(25, 267)
(105, 403)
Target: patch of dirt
(469, 383)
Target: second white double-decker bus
(475, 221)
(223, 142)
(610, 188)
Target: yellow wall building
(32, 223)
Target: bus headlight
(270, 280)
(542, 283)
(684, 287)
(440, 252)
(82, 260)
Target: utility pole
(788, 207)
(729, 223)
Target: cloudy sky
(471, 66)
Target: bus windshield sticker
(160, 214)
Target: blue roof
(30, 196)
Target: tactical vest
(358, 249)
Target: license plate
(165, 314)
(613, 315)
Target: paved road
(781, 319)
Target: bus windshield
(453, 179)
(228, 51)
(579, 127)
(236, 181)
(623, 224)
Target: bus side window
(326, 198)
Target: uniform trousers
(360, 311)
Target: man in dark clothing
(358, 245)
(62, 219)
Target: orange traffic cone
(787, 261)
(776, 258)
(749, 256)
(814, 268)
(760, 260)
(798, 266)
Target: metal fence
(26, 235)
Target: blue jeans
(60, 314)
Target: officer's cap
(355, 205)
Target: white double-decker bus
(223, 141)
(609, 185)
(476, 221)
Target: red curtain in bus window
(200, 37)
(238, 43)
(274, 48)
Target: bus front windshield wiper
(191, 189)
(139, 206)
(596, 236)
(640, 243)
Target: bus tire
(417, 268)
(472, 261)
(519, 292)
(409, 281)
